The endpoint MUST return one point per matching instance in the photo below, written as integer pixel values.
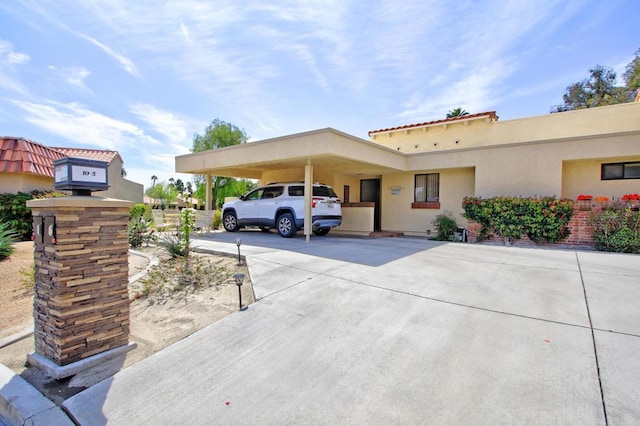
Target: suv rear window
(318, 191)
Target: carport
(323, 152)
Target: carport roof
(323, 148)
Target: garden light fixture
(239, 278)
(239, 243)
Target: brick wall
(81, 305)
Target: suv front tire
(230, 222)
(286, 225)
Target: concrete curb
(21, 403)
(10, 340)
(153, 261)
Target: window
(346, 197)
(427, 188)
(614, 171)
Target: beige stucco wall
(121, 188)
(357, 220)
(397, 214)
(23, 182)
(530, 169)
(583, 177)
(482, 132)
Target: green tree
(598, 90)
(164, 193)
(458, 112)
(154, 178)
(179, 185)
(218, 134)
(632, 73)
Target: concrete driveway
(399, 331)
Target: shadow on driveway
(353, 249)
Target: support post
(308, 196)
(207, 199)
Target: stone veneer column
(81, 305)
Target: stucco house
(26, 165)
(402, 177)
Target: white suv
(281, 206)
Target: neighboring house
(26, 165)
(403, 177)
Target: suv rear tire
(286, 225)
(321, 231)
(230, 222)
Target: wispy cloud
(81, 126)
(173, 128)
(9, 61)
(74, 76)
(125, 62)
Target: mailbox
(44, 230)
(38, 230)
(49, 230)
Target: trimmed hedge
(541, 219)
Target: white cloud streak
(173, 128)
(125, 62)
(84, 127)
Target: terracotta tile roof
(94, 154)
(19, 155)
(489, 114)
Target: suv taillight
(315, 201)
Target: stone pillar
(81, 305)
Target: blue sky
(141, 77)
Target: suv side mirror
(241, 198)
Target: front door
(370, 191)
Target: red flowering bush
(631, 197)
(583, 197)
(601, 198)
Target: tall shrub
(14, 210)
(446, 227)
(617, 229)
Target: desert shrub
(217, 219)
(446, 227)
(7, 238)
(139, 210)
(541, 219)
(14, 210)
(616, 229)
(140, 226)
(172, 242)
(178, 244)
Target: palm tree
(154, 178)
(458, 112)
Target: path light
(239, 243)
(239, 278)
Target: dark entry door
(370, 191)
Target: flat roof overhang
(328, 147)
